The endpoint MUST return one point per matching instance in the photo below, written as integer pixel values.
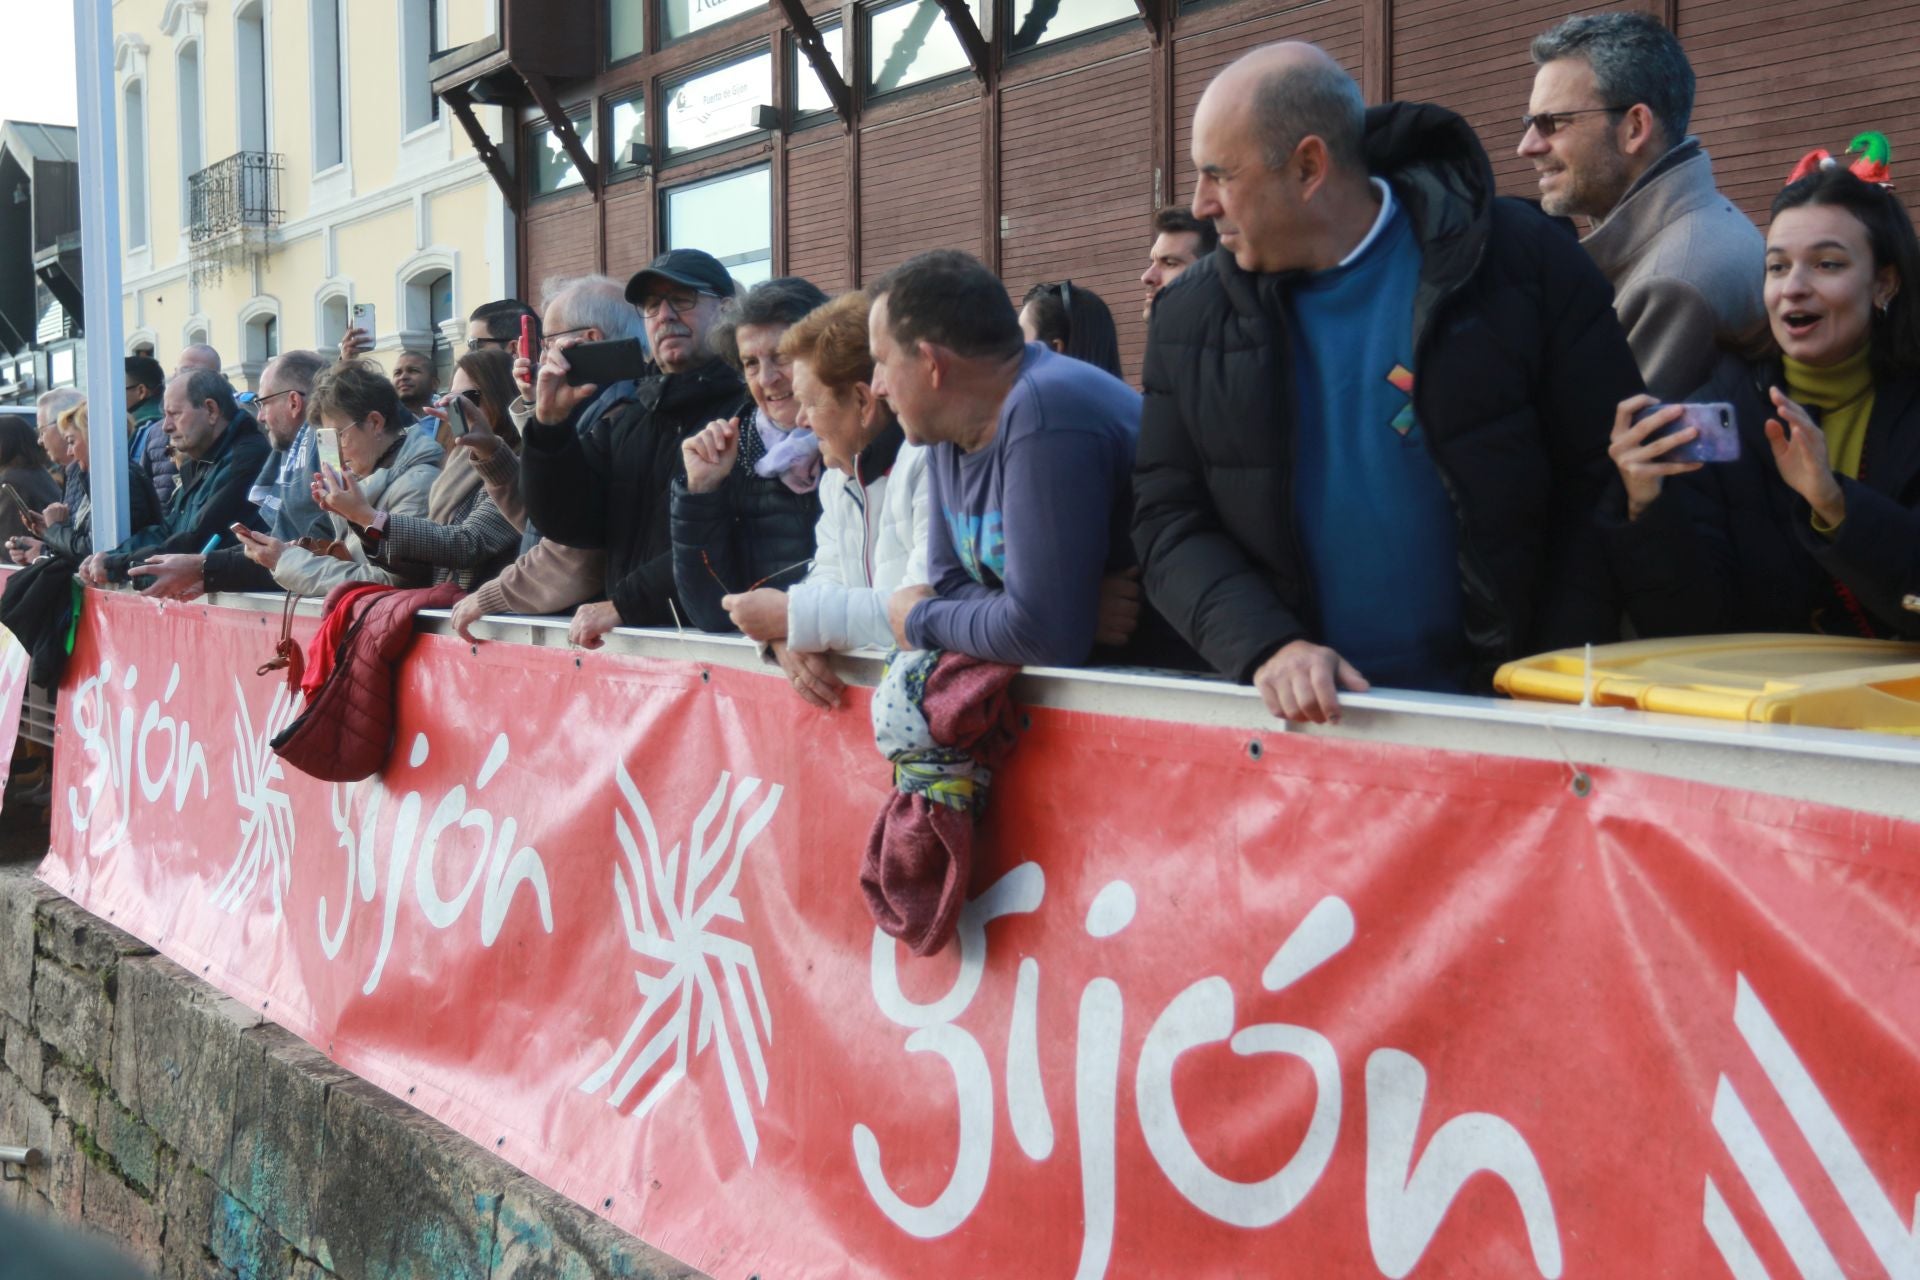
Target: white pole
(100, 259)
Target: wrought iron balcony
(235, 195)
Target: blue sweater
(1377, 525)
(1026, 527)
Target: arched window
(333, 321)
(135, 97)
(260, 338)
(429, 298)
(250, 75)
(192, 152)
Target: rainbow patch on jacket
(1402, 379)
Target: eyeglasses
(1549, 122)
(546, 343)
(715, 574)
(481, 344)
(260, 400)
(680, 302)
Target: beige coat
(547, 578)
(1687, 268)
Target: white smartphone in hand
(327, 441)
(362, 314)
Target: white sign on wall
(719, 104)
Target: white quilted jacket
(870, 540)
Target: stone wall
(212, 1144)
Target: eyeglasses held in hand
(712, 573)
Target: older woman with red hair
(874, 508)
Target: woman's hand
(479, 437)
(1639, 458)
(709, 455)
(761, 615)
(263, 549)
(1800, 451)
(339, 492)
(811, 675)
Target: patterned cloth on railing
(945, 723)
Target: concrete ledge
(212, 1145)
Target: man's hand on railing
(93, 570)
(1298, 681)
(173, 577)
(591, 622)
(465, 614)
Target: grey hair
(592, 302)
(203, 385)
(296, 370)
(783, 300)
(1635, 60)
(1315, 98)
(52, 404)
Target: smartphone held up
(1717, 438)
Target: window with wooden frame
(553, 169)
(911, 43)
(730, 217)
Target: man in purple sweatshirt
(1031, 467)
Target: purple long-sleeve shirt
(1028, 525)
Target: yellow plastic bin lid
(1828, 682)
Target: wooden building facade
(1041, 135)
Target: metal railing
(237, 194)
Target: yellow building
(283, 161)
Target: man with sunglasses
(497, 324)
(1606, 131)
(609, 488)
(1375, 428)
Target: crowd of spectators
(1391, 429)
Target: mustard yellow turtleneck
(1844, 395)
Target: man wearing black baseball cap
(610, 488)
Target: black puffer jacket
(609, 489)
(1731, 548)
(1518, 362)
(752, 530)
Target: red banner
(1323, 1008)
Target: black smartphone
(605, 363)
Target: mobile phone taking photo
(1719, 434)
